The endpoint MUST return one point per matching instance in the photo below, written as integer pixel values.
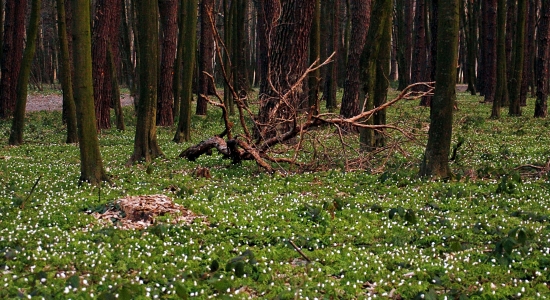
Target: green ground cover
(484, 234)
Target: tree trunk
(146, 147)
(112, 68)
(529, 50)
(517, 56)
(314, 78)
(12, 54)
(91, 164)
(331, 78)
(16, 135)
(206, 54)
(511, 17)
(436, 157)
(501, 92)
(542, 65)
(360, 21)
(404, 15)
(471, 44)
(288, 52)
(69, 109)
(104, 22)
(374, 63)
(189, 20)
(490, 49)
(168, 16)
(419, 60)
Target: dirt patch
(140, 212)
(37, 102)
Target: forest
(274, 149)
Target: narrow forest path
(37, 102)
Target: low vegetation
(380, 232)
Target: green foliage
(481, 235)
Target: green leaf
(522, 236)
(73, 281)
(182, 291)
(410, 216)
(214, 266)
(456, 246)
(239, 269)
(392, 213)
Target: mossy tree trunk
(169, 23)
(518, 54)
(146, 147)
(436, 156)
(16, 134)
(360, 21)
(12, 54)
(374, 63)
(542, 59)
(501, 92)
(189, 19)
(91, 164)
(69, 109)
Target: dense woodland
(296, 53)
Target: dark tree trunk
(419, 60)
(16, 135)
(404, 18)
(168, 10)
(240, 79)
(315, 54)
(331, 78)
(529, 50)
(490, 49)
(105, 15)
(360, 21)
(517, 56)
(288, 51)
(146, 147)
(268, 13)
(501, 92)
(436, 156)
(471, 43)
(69, 109)
(12, 54)
(206, 56)
(511, 17)
(542, 65)
(432, 52)
(91, 164)
(189, 20)
(375, 61)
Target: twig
(299, 251)
(32, 191)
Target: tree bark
(529, 50)
(91, 164)
(189, 20)
(436, 157)
(471, 44)
(314, 78)
(69, 109)
(168, 16)
(419, 60)
(404, 17)
(12, 54)
(542, 59)
(517, 56)
(146, 147)
(16, 135)
(360, 21)
(288, 52)
(501, 92)
(490, 49)
(331, 77)
(206, 55)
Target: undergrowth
(482, 234)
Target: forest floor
(38, 102)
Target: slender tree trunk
(178, 63)
(436, 157)
(146, 147)
(471, 40)
(189, 20)
(331, 78)
(288, 52)
(115, 90)
(490, 16)
(511, 17)
(91, 164)
(168, 15)
(419, 60)
(542, 65)
(404, 15)
(69, 109)
(206, 50)
(16, 135)
(529, 50)
(228, 53)
(315, 54)
(517, 55)
(501, 92)
(12, 54)
(360, 21)
(127, 51)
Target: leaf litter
(140, 212)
